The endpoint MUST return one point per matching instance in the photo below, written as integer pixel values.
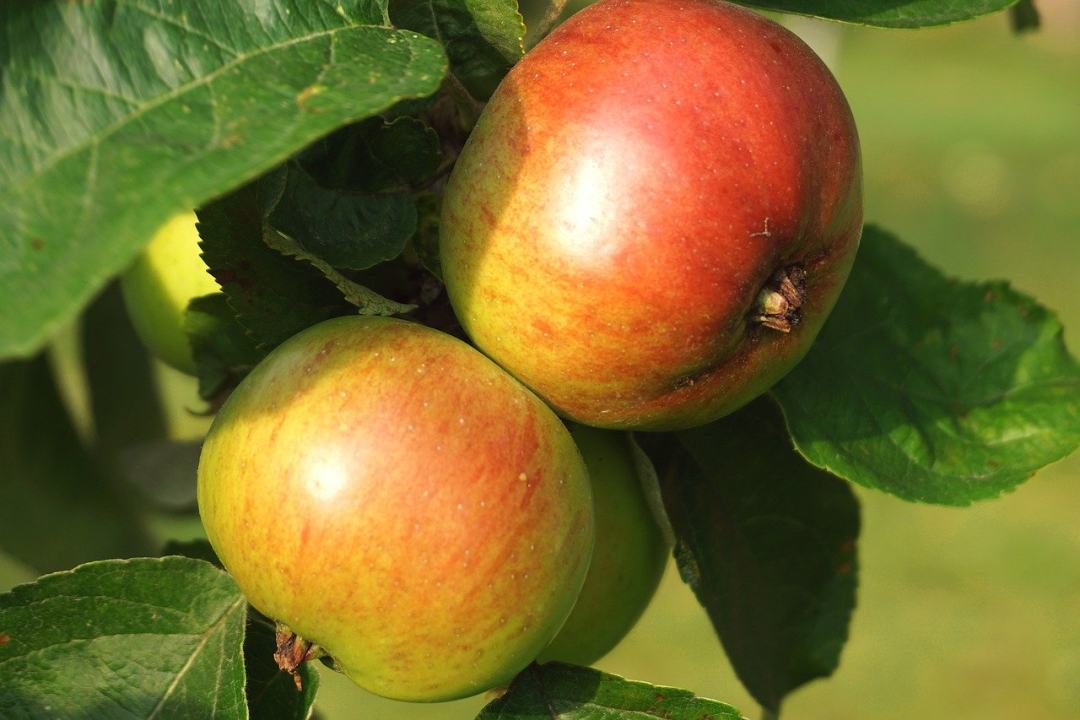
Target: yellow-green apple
(628, 558)
(655, 213)
(393, 496)
(159, 285)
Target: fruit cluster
(647, 228)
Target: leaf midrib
(211, 632)
(22, 657)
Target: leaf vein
(212, 630)
(176, 23)
(164, 98)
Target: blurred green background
(971, 139)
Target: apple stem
(292, 652)
(778, 303)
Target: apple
(655, 213)
(158, 286)
(628, 559)
(394, 497)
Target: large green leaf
(114, 116)
(767, 543)
(483, 38)
(123, 639)
(887, 13)
(565, 692)
(932, 389)
(58, 509)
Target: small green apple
(159, 285)
(628, 559)
(393, 496)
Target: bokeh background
(971, 140)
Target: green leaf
(60, 511)
(275, 287)
(403, 152)
(931, 389)
(891, 14)
(424, 244)
(343, 228)
(1024, 16)
(144, 638)
(114, 116)
(767, 543)
(565, 692)
(540, 17)
(271, 692)
(224, 352)
(483, 38)
(366, 300)
(163, 472)
(123, 393)
(376, 155)
(273, 296)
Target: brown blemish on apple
(4, 639)
(317, 358)
(691, 379)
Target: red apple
(628, 559)
(396, 498)
(655, 212)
